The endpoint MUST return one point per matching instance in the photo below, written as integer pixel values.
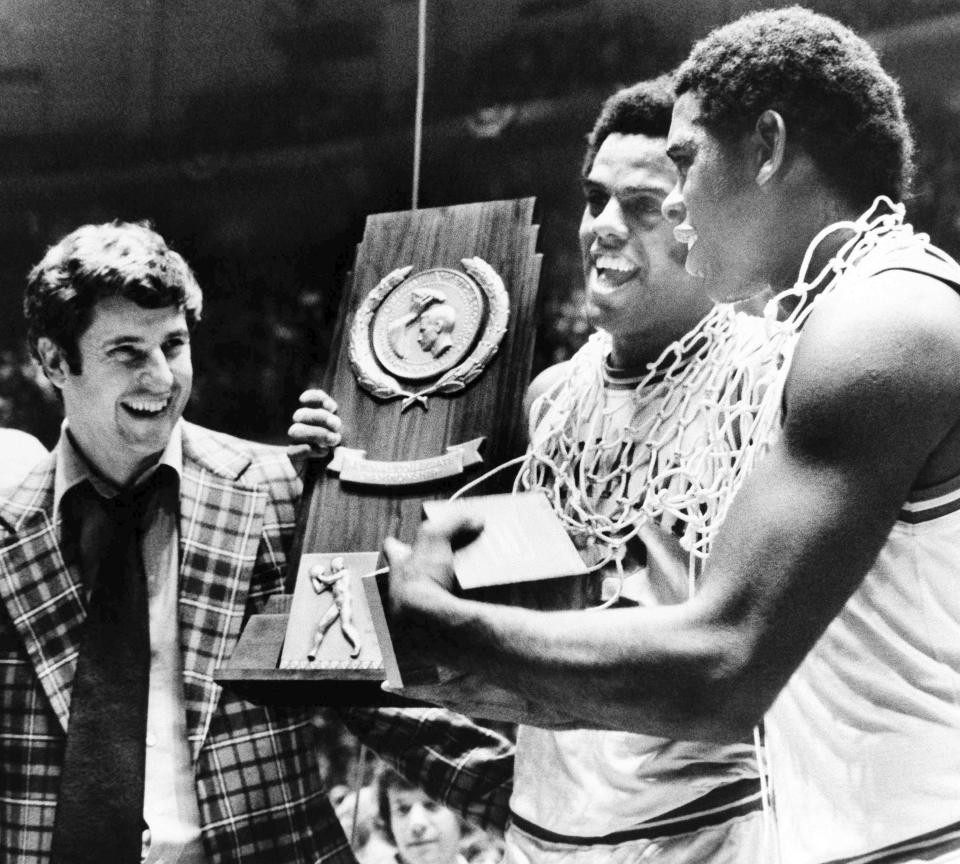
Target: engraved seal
(438, 326)
(428, 324)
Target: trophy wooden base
(254, 670)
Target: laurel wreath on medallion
(381, 385)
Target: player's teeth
(143, 405)
(684, 234)
(613, 264)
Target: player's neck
(633, 361)
(794, 225)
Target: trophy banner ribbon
(353, 466)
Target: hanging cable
(421, 82)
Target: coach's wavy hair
(641, 109)
(115, 259)
(827, 83)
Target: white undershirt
(170, 794)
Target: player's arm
(872, 397)
(872, 408)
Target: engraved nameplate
(354, 467)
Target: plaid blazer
(258, 780)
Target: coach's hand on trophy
(316, 423)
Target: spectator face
(637, 288)
(425, 832)
(134, 384)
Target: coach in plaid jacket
(258, 781)
(256, 773)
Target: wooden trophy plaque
(432, 352)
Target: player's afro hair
(838, 103)
(641, 109)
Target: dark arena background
(257, 135)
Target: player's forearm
(655, 671)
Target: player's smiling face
(134, 382)
(637, 287)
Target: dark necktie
(100, 806)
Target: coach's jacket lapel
(220, 521)
(220, 526)
(40, 584)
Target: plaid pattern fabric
(258, 780)
(462, 765)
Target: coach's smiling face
(132, 386)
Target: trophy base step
(253, 672)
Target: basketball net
(702, 415)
